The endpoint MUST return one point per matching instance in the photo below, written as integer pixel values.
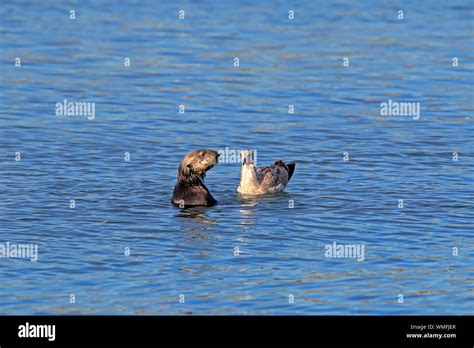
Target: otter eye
(201, 154)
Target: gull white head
(248, 157)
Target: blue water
(190, 62)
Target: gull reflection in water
(246, 214)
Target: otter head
(247, 157)
(198, 162)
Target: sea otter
(190, 189)
(262, 180)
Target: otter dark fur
(190, 189)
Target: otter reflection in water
(196, 221)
